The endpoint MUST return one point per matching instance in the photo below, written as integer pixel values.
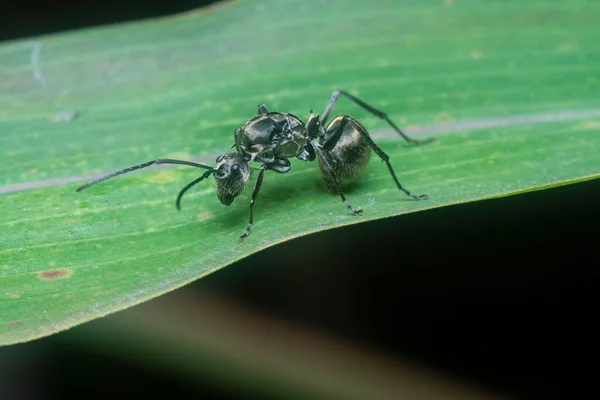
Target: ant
(342, 148)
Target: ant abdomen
(348, 158)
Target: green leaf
(510, 89)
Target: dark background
(501, 292)
(22, 18)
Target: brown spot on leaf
(160, 177)
(13, 295)
(444, 117)
(15, 323)
(204, 216)
(55, 274)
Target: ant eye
(220, 172)
(235, 167)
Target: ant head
(313, 125)
(232, 174)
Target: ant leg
(332, 140)
(262, 109)
(334, 98)
(384, 157)
(330, 172)
(282, 166)
(257, 186)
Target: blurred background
(496, 299)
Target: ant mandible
(342, 148)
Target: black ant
(343, 149)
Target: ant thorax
(271, 136)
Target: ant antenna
(189, 185)
(147, 164)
